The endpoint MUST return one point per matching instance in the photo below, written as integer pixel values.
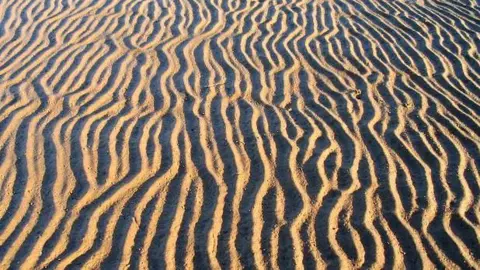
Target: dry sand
(227, 134)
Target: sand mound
(228, 134)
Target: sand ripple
(267, 134)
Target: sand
(267, 134)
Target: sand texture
(267, 134)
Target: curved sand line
(229, 134)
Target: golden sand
(270, 134)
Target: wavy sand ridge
(267, 134)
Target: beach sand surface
(266, 134)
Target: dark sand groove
(227, 134)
